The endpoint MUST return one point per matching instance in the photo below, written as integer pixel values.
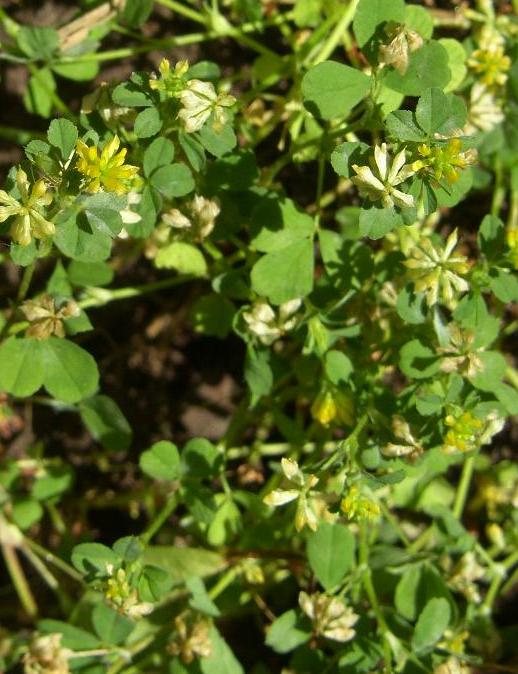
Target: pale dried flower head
(268, 325)
(191, 638)
(46, 655)
(379, 181)
(199, 101)
(45, 318)
(330, 616)
(402, 43)
(438, 271)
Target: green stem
(222, 584)
(20, 583)
(512, 376)
(336, 36)
(370, 591)
(51, 558)
(463, 488)
(183, 11)
(160, 518)
(100, 297)
(20, 136)
(499, 189)
(23, 289)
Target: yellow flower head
(491, 65)
(512, 242)
(29, 222)
(444, 160)
(105, 170)
(357, 507)
(170, 82)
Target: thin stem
(101, 297)
(463, 488)
(20, 583)
(20, 136)
(51, 558)
(336, 36)
(160, 518)
(370, 591)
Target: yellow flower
(358, 507)
(29, 221)
(106, 169)
(491, 64)
(170, 82)
(444, 160)
(332, 405)
(512, 242)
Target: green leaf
(410, 306)
(428, 67)
(277, 223)
(491, 237)
(338, 367)
(130, 95)
(154, 583)
(147, 123)
(201, 459)
(402, 125)
(507, 396)
(25, 512)
(504, 284)
(174, 180)
(493, 369)
(221, 659)
(285, 274)
(258, 373)
(457, 191)
(183, 257)
(213, 315)
(136, 12)
(78, 240)
(347, 154)
(331, 553)
(110, 625)
(56, 481)
(71, 373)
(287, 632)
(63, 135)
(22, 367)
(331, 89)
(418, 361)
(94, 558)
(74, 637)
(217, 143)
(431, 624)
(78, 71)
(456, 62)
(38, 42)
(89, 274)
(128, 548)
(200, 600)
(420, 20)
(371, 14)
(376, 221)
(437, 112)
(159, 153)
(102, 212)
(182, 563)
(161, 461)
(107, 424)
(39, 94)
